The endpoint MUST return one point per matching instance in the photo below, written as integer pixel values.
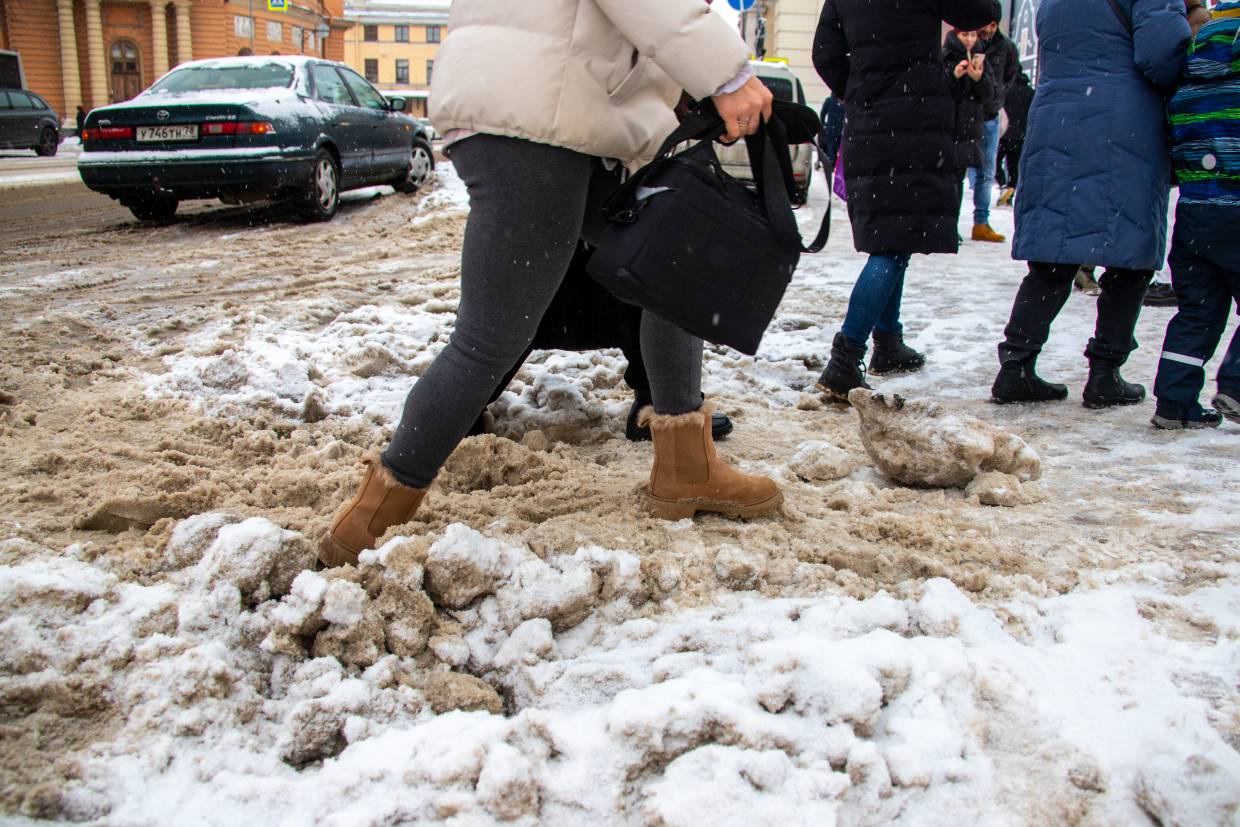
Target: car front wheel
(321, 197)
(152, 206)
(423, 164)
(49, 142)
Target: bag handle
(772, 171)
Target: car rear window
(196, 78)
(781, 88)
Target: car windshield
(255, 76)
(781, 88)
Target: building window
(275, 31)
(430, 66)
(295, 34)
(433, 34)
(402, 71)
(402, 34)
(370, 33)
(310, 41)
(243, 26)
(372, 70)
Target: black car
(252, 128)
(27, 122)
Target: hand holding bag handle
(771, 168)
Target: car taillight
(90, 134)
(112, 133)
(238, 128)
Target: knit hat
(1227, 8)
(996, 10)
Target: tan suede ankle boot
(689, 477)
(380, 503)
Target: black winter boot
(720, 424)
(1106, 387)
(1017, 382)
(891, 355)
(844, 370)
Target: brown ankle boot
(380, 503)
(689, 477)
(984, 232)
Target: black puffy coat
(1016, 105)
(900, 157)
(1003, 59)
(972, 98)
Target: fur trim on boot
(688, 476)
(380, 503)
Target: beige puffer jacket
(597, 76)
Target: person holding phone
(884, 61)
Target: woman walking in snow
(598, 80)
(884, 60)
(1094, 184)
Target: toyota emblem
(162, 114)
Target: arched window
(126, 70)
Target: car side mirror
(397, 104)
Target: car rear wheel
(419, 170)
(49, 142)
(152, 206)
(321, 197)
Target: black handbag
(692, 244)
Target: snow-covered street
(182, 408)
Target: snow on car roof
(255, 60)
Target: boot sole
(1167, 424)
(1099, 404)
(833, 395)
(1228, 406)
(895, 371)
(998, 400)
(682, 509)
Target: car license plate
(188, 132)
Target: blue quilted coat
(1096, 171)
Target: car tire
(320, 198)
(49, 142)
(419, 172)
(152, 206)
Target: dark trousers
(584, 316)
(1205, 272)
(1007, 170)
(1045, 290)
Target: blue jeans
(875, 301)
(983, 181)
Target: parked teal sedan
(246, 129)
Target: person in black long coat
(885, 61)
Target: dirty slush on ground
(101, 467)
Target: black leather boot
(844, 370)
(891, 355)
(1018, 382)
(1106, 387)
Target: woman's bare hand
(961, 68)
(742, 109)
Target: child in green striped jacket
(1205, 246)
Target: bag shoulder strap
(1124, 19)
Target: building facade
(95, 52)
(393, 45)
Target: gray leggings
(529, 204)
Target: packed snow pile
(463, 676)
(917, 443)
